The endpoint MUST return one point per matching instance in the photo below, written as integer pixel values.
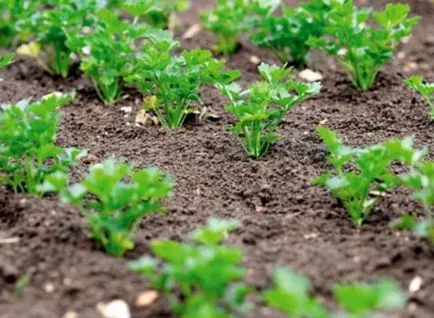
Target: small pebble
(310, 75)
(415, 284)
(147, 298)
(115, 309)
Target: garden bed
(284, 219)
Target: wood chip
(127, 109)
(310, 76)
(114, 309)
(310, 236)
(9, 240)
(191, 32)
(147, 298)
(145, 119)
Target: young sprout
(227, 21)
(173, 83)
(12, 12)
(49, 28)
(120, 197)
(291, 294)
(202, 278)
(363, 299)
(107, 53)
(360, 48)
(260, 109)
(28, 153)
(361, 172)
(287, 34)
(157, 13)
(416, 82)
(420, 179)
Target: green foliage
(362, 49)
(49, 27)
(107, 53)
(11, 12)
(157, 13)
(425, 89)
(260, 109)
(173, 83)
(201, 278)
(6, 60)
(291, 295)
(362, 172)
(227, 20)
(287, 34)
(28, 153)
(420, 179)
(120, 197)
(361, 299)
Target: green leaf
(120, 197)
(215, 231)
(202, 278)
(5, 60)
(363, 49)
(363, 298)
(260, 109)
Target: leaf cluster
(417, 83)
(361, 48)
(287, 34)
(107, 52)
(420, 179)
(120, 196)
(291, 294)
(201, 278)
(156, 13)
(11, 12)
(49, 28)
(362, 175)
(28, 153)
(227, 20)
(6, 60)
(173, 82)
(260, 109)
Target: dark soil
(285, 220)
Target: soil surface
(284, 220)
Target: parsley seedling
(155, 12)
(420, 179)
(359, 171)
(28, 153)
(260, 109)
(227, 20)
(120, 197)
(360, 48)
(12, 12)
(49, 28)
(287, 34)
(425, 89)
(291, 294)
(201, 278)
(107, 53)
(173, 83)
